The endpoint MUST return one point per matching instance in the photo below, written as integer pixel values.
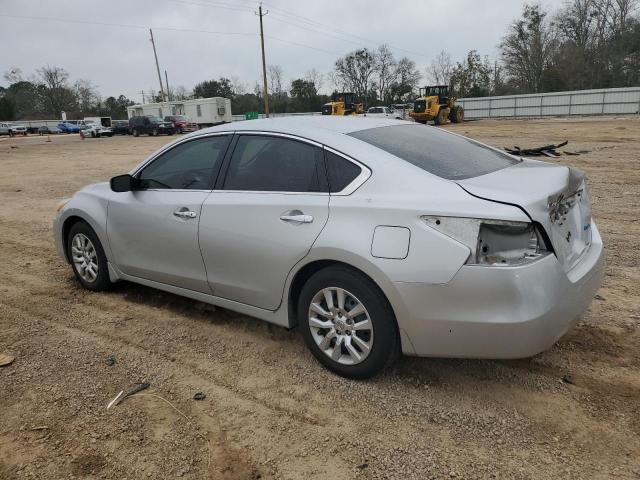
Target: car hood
(554, 196)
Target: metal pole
(166, 84)
(157, 66)
(264, 64)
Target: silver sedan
(372, 236)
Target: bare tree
(55, 89)
(86, 94)
(276, 75)
(407, 79)
(386, 71)
(181, 93)
(441, 68)
(315, 77)
(238, 86)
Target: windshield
(180, 117)
(375, 110)
(438, 152)
(155, 119)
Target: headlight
(62, 204)
(492, 242)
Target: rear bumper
(501, 312)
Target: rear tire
(135, 132)
(154, 132)
(367, 341)
(88, 261)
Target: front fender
(89, 207)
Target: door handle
(297, 218)
(184, 212)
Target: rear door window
(438, 152)
(274, 164)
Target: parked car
(150, 125)
(94, 130)
(4, 129)
(380, 112)
(181, 123)
(120, 127)
(47, 130)
(67, 127)
(14, 129)
(373, 236)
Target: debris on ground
(42, 427)
(362, 466)
(6, 359)
(110, 360)
(123, 395)
(547, 150)
(568, 378)
(199, 396)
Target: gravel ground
(270, 410)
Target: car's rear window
(436, 151)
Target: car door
(263, 216)
(153, 230)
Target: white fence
(237, 118)
(580, 102)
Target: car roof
(306, 125)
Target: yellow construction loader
(342, 104)
(434, 103)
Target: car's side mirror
(123, 183)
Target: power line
(124, 25)
(314, 23)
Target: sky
(107, 42)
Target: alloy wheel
(85, 258)
(340, 326)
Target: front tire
(135, 132)
(347, 323)
(87, 257)
(154, 132)
(441, 118)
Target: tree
(355, 70)
(441, 69)
(303, 93)
(87, 96)
(315, 77)
(407, 79)
(528, 48)
(54, 88)
(472, 77)
(386, 71)
(213, 88)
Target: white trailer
(206, 112)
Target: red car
(181, 123)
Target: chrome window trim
(279, 134)
(365, 173)
(171, 146)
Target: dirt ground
(270, 410)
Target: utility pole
(157, 66)
(142, 92)
(264, 65)
(166, 84)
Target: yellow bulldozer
(434, 103)
(342, 104)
